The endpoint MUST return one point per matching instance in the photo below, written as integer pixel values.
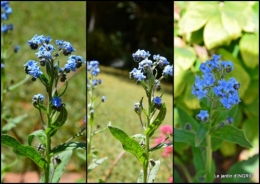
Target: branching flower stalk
(93, 71)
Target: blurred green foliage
(118, 29)
(60, 21)
(229, 29)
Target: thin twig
(113, 165)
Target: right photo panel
(216, 96)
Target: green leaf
(100, 181)
(68, 146)
(65, 158)
(201, 133)
(215, 34)
(232, 134)
(140, 177)
(177, 178)
(181, 135)
(186, 118)
(58, 123)
(179, 82)
(40, 134)
(189, 99)
(48, 69)
(96, 162)
(44, 79)
(141, 137)
(197, 14)
(249, 48)
(42, 107)
(129, 144)
(24, 150)
(154, 171)
(199, 158)
(66, 86)
(184, 57)
(216, 143)
(12, 122)
(157, 122)
(245, 167)
(160, 146)
(228, 149)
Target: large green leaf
(58, 122)
(65, 158)
(184, 57)
(252, 92)
(179, 82)
(129, 144)
(181, 135)
(24, 150)
(215, 34)
(198, 158)
(232, 134)
(40, 134)
(68, 146)
(249, 48)
(197, 15)
(242, 172)
(157, 122)
(201, 133)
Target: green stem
(208, 140)
(17, 84)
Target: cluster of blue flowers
(45, 55)
(6, 10)
(226, 91)
(146, 65)
(94, 70)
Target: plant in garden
(52, 110)
(92, 83)
(218, 101)
(146, 75)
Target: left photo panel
(43, 92)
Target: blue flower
(2, 65)
(227, 65)
(85, 120)
(229, 120)
(45, 51)
(140, 55)
(167, 71)
(137, 75)
(32, 68)
(6, 27)
(157, 100)
(56, 101)
(203, 116)
(93, 67)
(145, 65)
(162, 61)
(16, 48)
(36, 40)
(39, 97)
(66, 46)
(103, 99)
(6, 10)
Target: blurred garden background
(229, 29)
(61, 20)
(116, 30)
